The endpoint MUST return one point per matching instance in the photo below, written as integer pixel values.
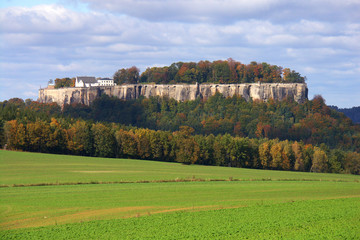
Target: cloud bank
(319, 39)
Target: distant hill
(353, 113)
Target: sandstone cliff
(180, 92)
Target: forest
(220, 71)
(353, 113)
(228, 71)
(282, 135)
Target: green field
(33, 168)
(325, 219)
(256, 204)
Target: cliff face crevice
(179, 92)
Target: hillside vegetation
(282, 135)
(352, 113)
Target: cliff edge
(179, 92)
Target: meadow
(93, 198)
(37, 168)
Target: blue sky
(42, 40)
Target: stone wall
(180, 92)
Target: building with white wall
(93, 82)
(106, 82)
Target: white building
(106, 82)
(86, 82)
(93, 82)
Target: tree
(219, 152)
(318, 103)
(287, 156)
(320, 161)
(220, 71)
(265, 155)
(187, 149)
(336, 161)
(299, 157)
(292, 76)
(133, 75)
(188, 73)
(80, 139)
(277, 156)
(206, 149)
(127, 144)
(204, 69)
(143, 143)
(104, 141)
(157, 147)
(352, 163)
(127, 75)
(2, 133)
(57, 138)
(10, 132)
(120, 76)
(38, 135)
(240, 153)
(64, 82)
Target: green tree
(38, 134)
(127, 75)
(104, 141)
(352, 163)
(80, 139)
(187, 149)
(287, 156)
(127, 144)
(143, 143)
(64, 82)
(336, 161)
(220, 72)
(2, 133)
(240, 153)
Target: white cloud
(226, 11)
(305, 27)
(42, 18)
(185, 10)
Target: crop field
(65, 197)
(325, 219)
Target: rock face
(180, 92)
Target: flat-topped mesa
(179, 92)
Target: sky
(42, 40)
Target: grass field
(264, 204)
(33, 168)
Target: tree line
(111, 140)
(221, 71)
(228, 71)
